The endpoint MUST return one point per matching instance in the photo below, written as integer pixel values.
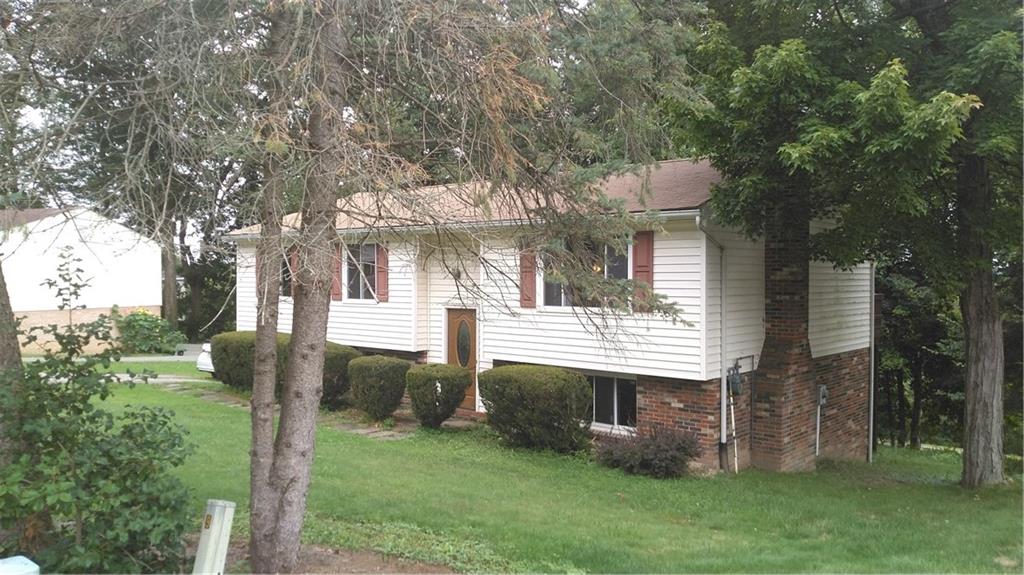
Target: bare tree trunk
(169, 287)
(263, 499)
(917, 391)
(303, 386)
(10, 353)
(901, 412)
(983, 330)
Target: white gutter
(236, 237)
(871, 367)
(723, 441)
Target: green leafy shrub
(87, 490)
(233, 354)
(144, 332)
(436, 390)
(538, 406)
(656, 452)
(378, 382)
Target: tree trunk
(303, 386)
(891, 404)
(169, 267)
(281, 473)
(983, 330)
(263, 499)
(10, 353)
(917, 399)
(901, 412)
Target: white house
(415, 300)
(121, 267)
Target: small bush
(436, 390)
(378, 382)
(538, 406)
(144, 332)
(84, 489)
(233, 355)
(656, 452)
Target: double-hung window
(361, 271)
(606, 262)
(614, 400)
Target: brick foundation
(844, 418)
(40, 318)
(694, 406)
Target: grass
(175, 368)
(460, 498)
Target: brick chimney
(784, 391)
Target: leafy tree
(922, 151)
(88, 490)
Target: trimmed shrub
(436, 390)
(656, 452)
(233, 354)
(538, 406)
(378, 382)
(143, 332)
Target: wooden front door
(462, 347)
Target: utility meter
(822, 394)
(734, 379)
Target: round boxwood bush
(436, 390)
(538, 406)
(378, 382)
(233, 354)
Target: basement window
(614, 401)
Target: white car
(205, 362)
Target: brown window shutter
(293, 266)
(336, 275)
(259, 272)
(382, 273)
(527, 279)
(643, 258)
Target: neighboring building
(121, 267)
(414, 300)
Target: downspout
(871, 367)
(723, 433)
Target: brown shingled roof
(673, 185)
(10, 219)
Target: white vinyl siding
(625, 343)
(359, 323)
(840, 309)
(121, 266)
(744, 262)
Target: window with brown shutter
(527, 279)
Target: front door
(462, 347)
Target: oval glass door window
(462, 343)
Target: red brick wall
(681, 404)
(693, 406)
(844, 418)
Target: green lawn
(462, 499)
(176, 368)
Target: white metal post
(214, 538)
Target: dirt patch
(316, 559)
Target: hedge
(436, 390)
(538, 406)
(233, 355)
(378, 383)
